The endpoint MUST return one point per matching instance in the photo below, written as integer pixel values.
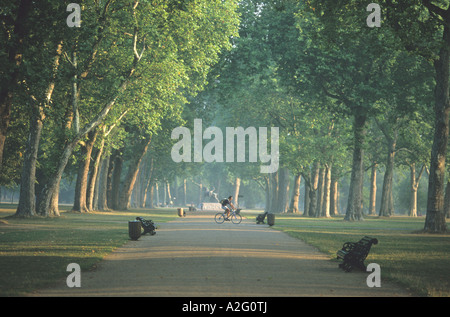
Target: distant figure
(227, 205)
(212, 194)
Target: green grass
(35, 252)
(415, 260)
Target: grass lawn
(34, 253)
(416, 260)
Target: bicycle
(236, 218)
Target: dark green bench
(353, 254)
(148, 225)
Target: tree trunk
(103, 185)
(152, 195)
(130, 179)
(93, 180)
(387, 200)
(237, 187)
(27, 198)
(413, 191)
(320, 190)
(307, 193)
(334, 196)
(354, 211)
(313, 190)
(387, 203)
(274, 190)
(283, 201)
(113, 200)
(169, 194)
(157, 194)
(148, 185)
(48, 204)
(435, 218)
(447, 200)
(326, 192)
(414, 186)
(79, 204)
(267, 189)
(293, 206)
(373, 190)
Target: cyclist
(227, 205)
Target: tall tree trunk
(354, 212)
(148, 185)
(48, 205)
(447, 200)
(175, 196)
(169, 194)
(414, 186)
(334, 196)
(103, 185)
(320, 190)
(274, 190)
(435, 218)
(157, 194)
(293, 206)
(152, 195)
(93, 180)
(307, 193)
(326, 192)
(115, 182)
(79, 204)
(237, 187)
(387, 203)
(268, 190)
(283, 201)
(313, 190)
(27, 198)
(130, 179)
(373, 190)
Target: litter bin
(270, 219)
(134, 229)
(180, 212)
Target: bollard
(180, 212)
(270, 219)
(134, 229)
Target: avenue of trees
(93, 108)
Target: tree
(165, 48)
(428, 35)
(347, 64)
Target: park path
(195, 257)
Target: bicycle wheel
(220, 218)
(236, 218)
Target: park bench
(148, 225)
(353, 254)
(260, 218)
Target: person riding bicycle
(227, 205)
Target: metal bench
(260, 218)
(353, 254)
(148, 225)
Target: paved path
(194, 256)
